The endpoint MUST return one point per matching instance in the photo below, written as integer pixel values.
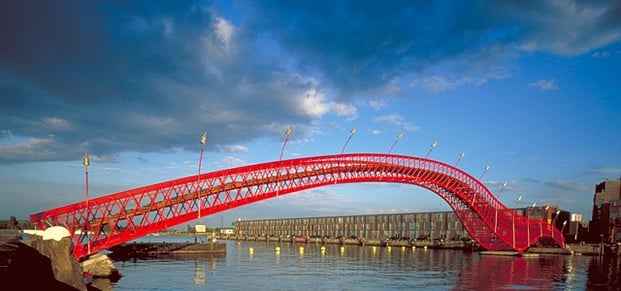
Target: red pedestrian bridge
(110, 220)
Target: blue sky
(530, 88)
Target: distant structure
(442, 225)
(605, 225)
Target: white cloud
(544, 85)
(31, 149)
(606, 170)
(437, 84)
(577, 27)
(235, 148)
(397, 120)
(168, 27)
(342, 109)
(229, 162)
(5, 134)
(377, 104)
(601, 54)
(56, 123)
(224, 31)
(570, 186)
(311, 103)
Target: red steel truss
(117, 218)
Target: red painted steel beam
(127, 215)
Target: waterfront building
(577, 230)
(440, 225)
(605, 225)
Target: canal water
(250, 265)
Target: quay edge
(570, 249)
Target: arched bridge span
(127, 215)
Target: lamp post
(542, 216)
(577, 230)
(504, 184)
(554, 222)
(352, 132)
(484, 171)
(461, 156)
(514, 213)
(528, 222)
(86, 162)
(284, 144)
(517, 201)
(513, 226)
(203, 140)
(433, 145)
(399, 136)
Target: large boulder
(48, 266)
(101, 266)
(65, 266)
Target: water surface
(250, 265)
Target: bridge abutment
(38, 264)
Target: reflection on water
(501, 272)
(199, 273)
(604, 274)
(285, 266)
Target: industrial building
(442, 225)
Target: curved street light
(558, 211)
(284, 144)
(433, 145)
(504, 184)
(461, 156)
(544, 213)
(517, 201)
(86, 162)
(352, 132)
(399, 136)
(203, 140)
(484, 171)
(528, 221)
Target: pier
(136, 250)
(432, 244)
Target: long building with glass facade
(419, 226)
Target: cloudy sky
(530, 88)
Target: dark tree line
(13, 223)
